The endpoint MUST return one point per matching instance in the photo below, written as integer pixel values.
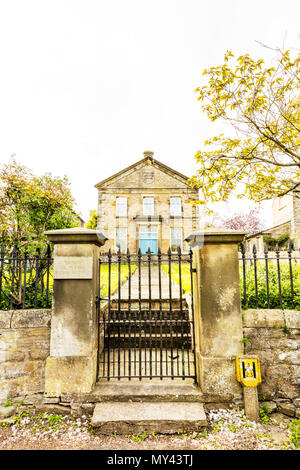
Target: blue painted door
(147, 243)
(148, 238)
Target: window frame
(118, 206)
(172, 206)
(118, 238)
(145, 205)
(181, 236)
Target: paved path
(145, 285)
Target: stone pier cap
(76, 235)
(215, 236)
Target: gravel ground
(227, 430)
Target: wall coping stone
(76, 235)
(270, 318)
(215, 236)
(27, 318)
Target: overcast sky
(87, 85)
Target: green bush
(280, 241)
(41, 298)
(274, 294)
(35, 292)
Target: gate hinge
(194, 270)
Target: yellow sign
(248, 370)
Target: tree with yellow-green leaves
(30, 205)
(92, 222)
(261, 159)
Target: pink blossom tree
(249, 222)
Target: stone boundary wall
(274, 335)
(24, 347)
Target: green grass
(185, 275)
(114, 277)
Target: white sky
(86, 86)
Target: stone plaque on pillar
(73, 267)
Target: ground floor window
(176, 239)
(121, 239)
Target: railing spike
(48, 251)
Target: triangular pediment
(147, 172)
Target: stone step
(136, 418)
(138, 328)
(166, 340)
(145, 315)
(135, 390)
(156, 304)
(154, 390)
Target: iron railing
(146, 316)
(270, 279)
(25, 280)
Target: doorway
(148, 239)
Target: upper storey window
(175, 206)
(148, 206)
(121, 206)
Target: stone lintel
(76, 235)
(215, 236)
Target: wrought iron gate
(146, 316)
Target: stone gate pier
(218, 316)
(72, 364)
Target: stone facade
(25, 345)
(274, 232)
(138, 224)
(287, 210)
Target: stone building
(286, 221)
(286, 212)
(146, 205)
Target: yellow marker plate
(248, 370)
